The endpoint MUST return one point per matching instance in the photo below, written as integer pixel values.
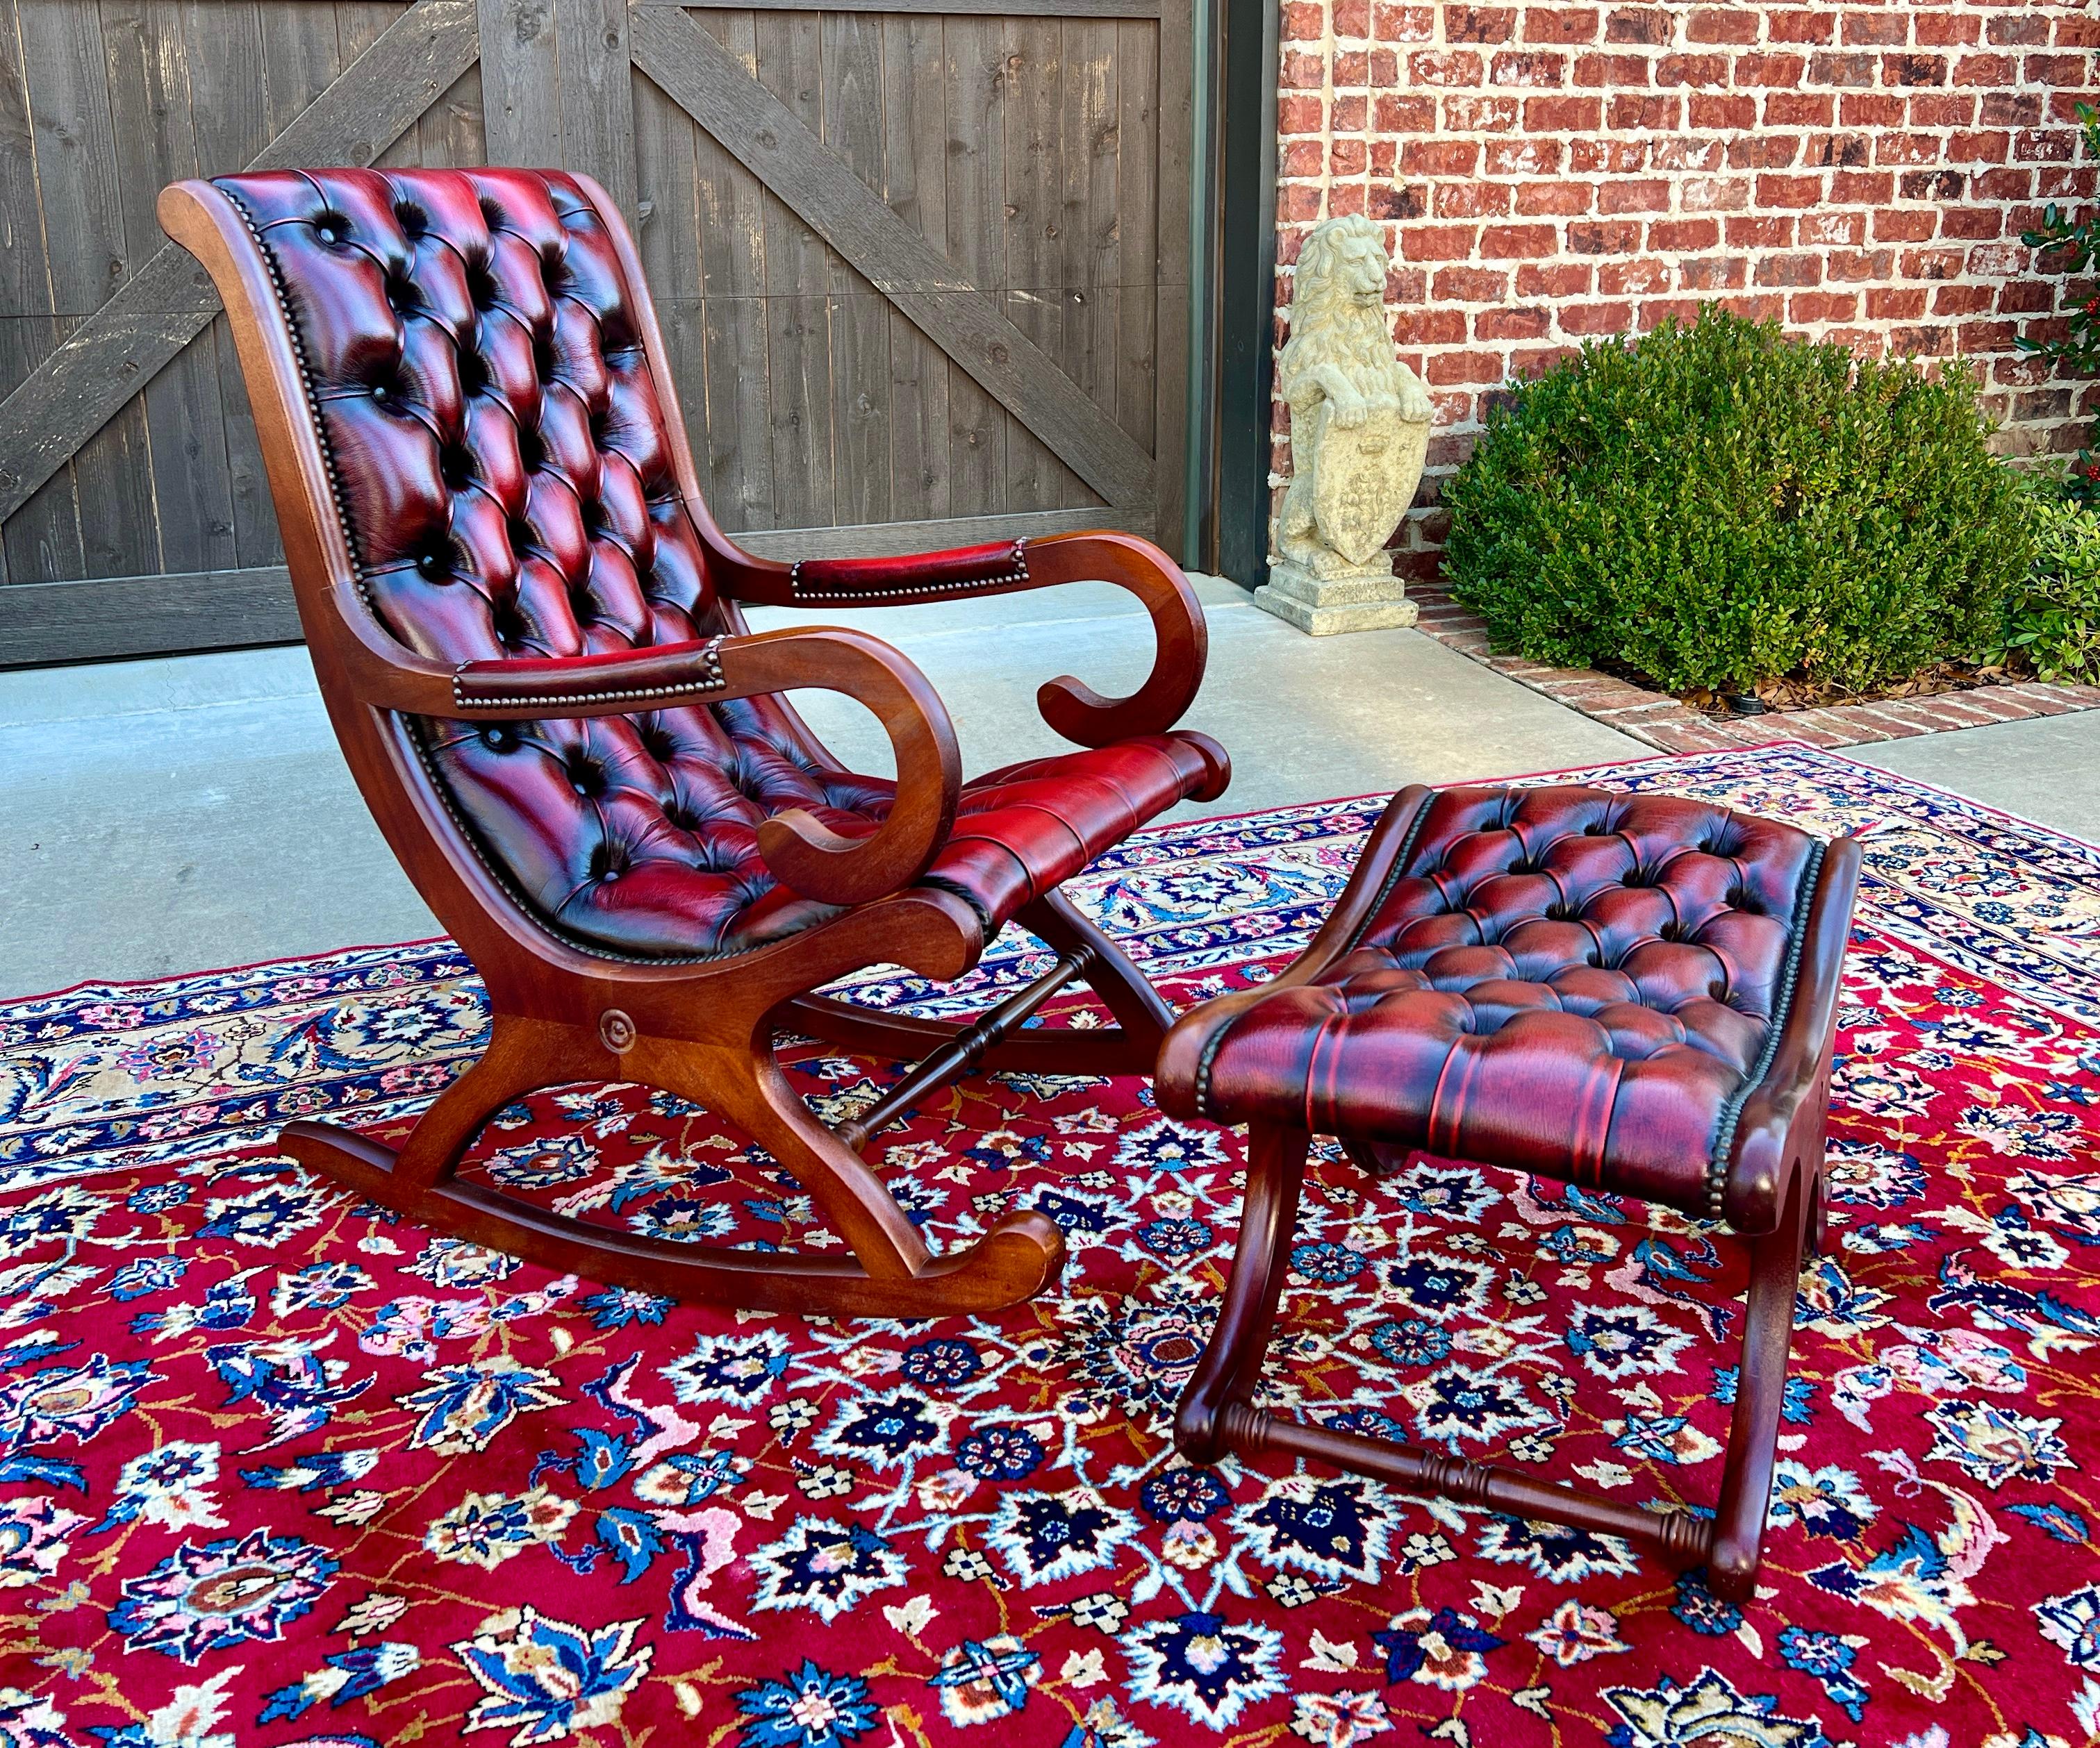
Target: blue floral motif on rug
(276, 1468)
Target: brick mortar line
(1548, 173)
(1670, 725)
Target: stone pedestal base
(1366, 600)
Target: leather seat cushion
(1563, 979)
(640, 834)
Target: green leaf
(1716, 504)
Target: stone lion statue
(1359, 418)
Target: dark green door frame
(1244, 213)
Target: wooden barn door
(922, 273)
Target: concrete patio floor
(169, 816)
(2047, 769)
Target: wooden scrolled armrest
(1073, 709)
(806, 856)
(1181, 646)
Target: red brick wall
(1546, 172)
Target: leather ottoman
(1633, 993)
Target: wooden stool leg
(1739, 1524)
(1217, 1415)
(1231, 1362)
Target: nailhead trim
(1217, 1039)
(710, 679)
(306, 388)
(907, 591)
(417, 737)
(418, 731)
(1731, 1113)
(1394, 874)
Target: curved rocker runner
(527, 629)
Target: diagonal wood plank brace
(770, 141)
(167, 302)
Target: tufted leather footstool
(1633, 993)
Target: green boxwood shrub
(2052, 619)
(1718, 505)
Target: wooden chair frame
(704, 1031)
(1774, 1197)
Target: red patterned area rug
(276, 1468)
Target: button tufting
(393, 477)
(508, 619)
(1678, 1000)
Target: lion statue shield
(1359, 418)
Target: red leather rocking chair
(526, 628)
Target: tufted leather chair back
(502, 461)
(508, 480)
